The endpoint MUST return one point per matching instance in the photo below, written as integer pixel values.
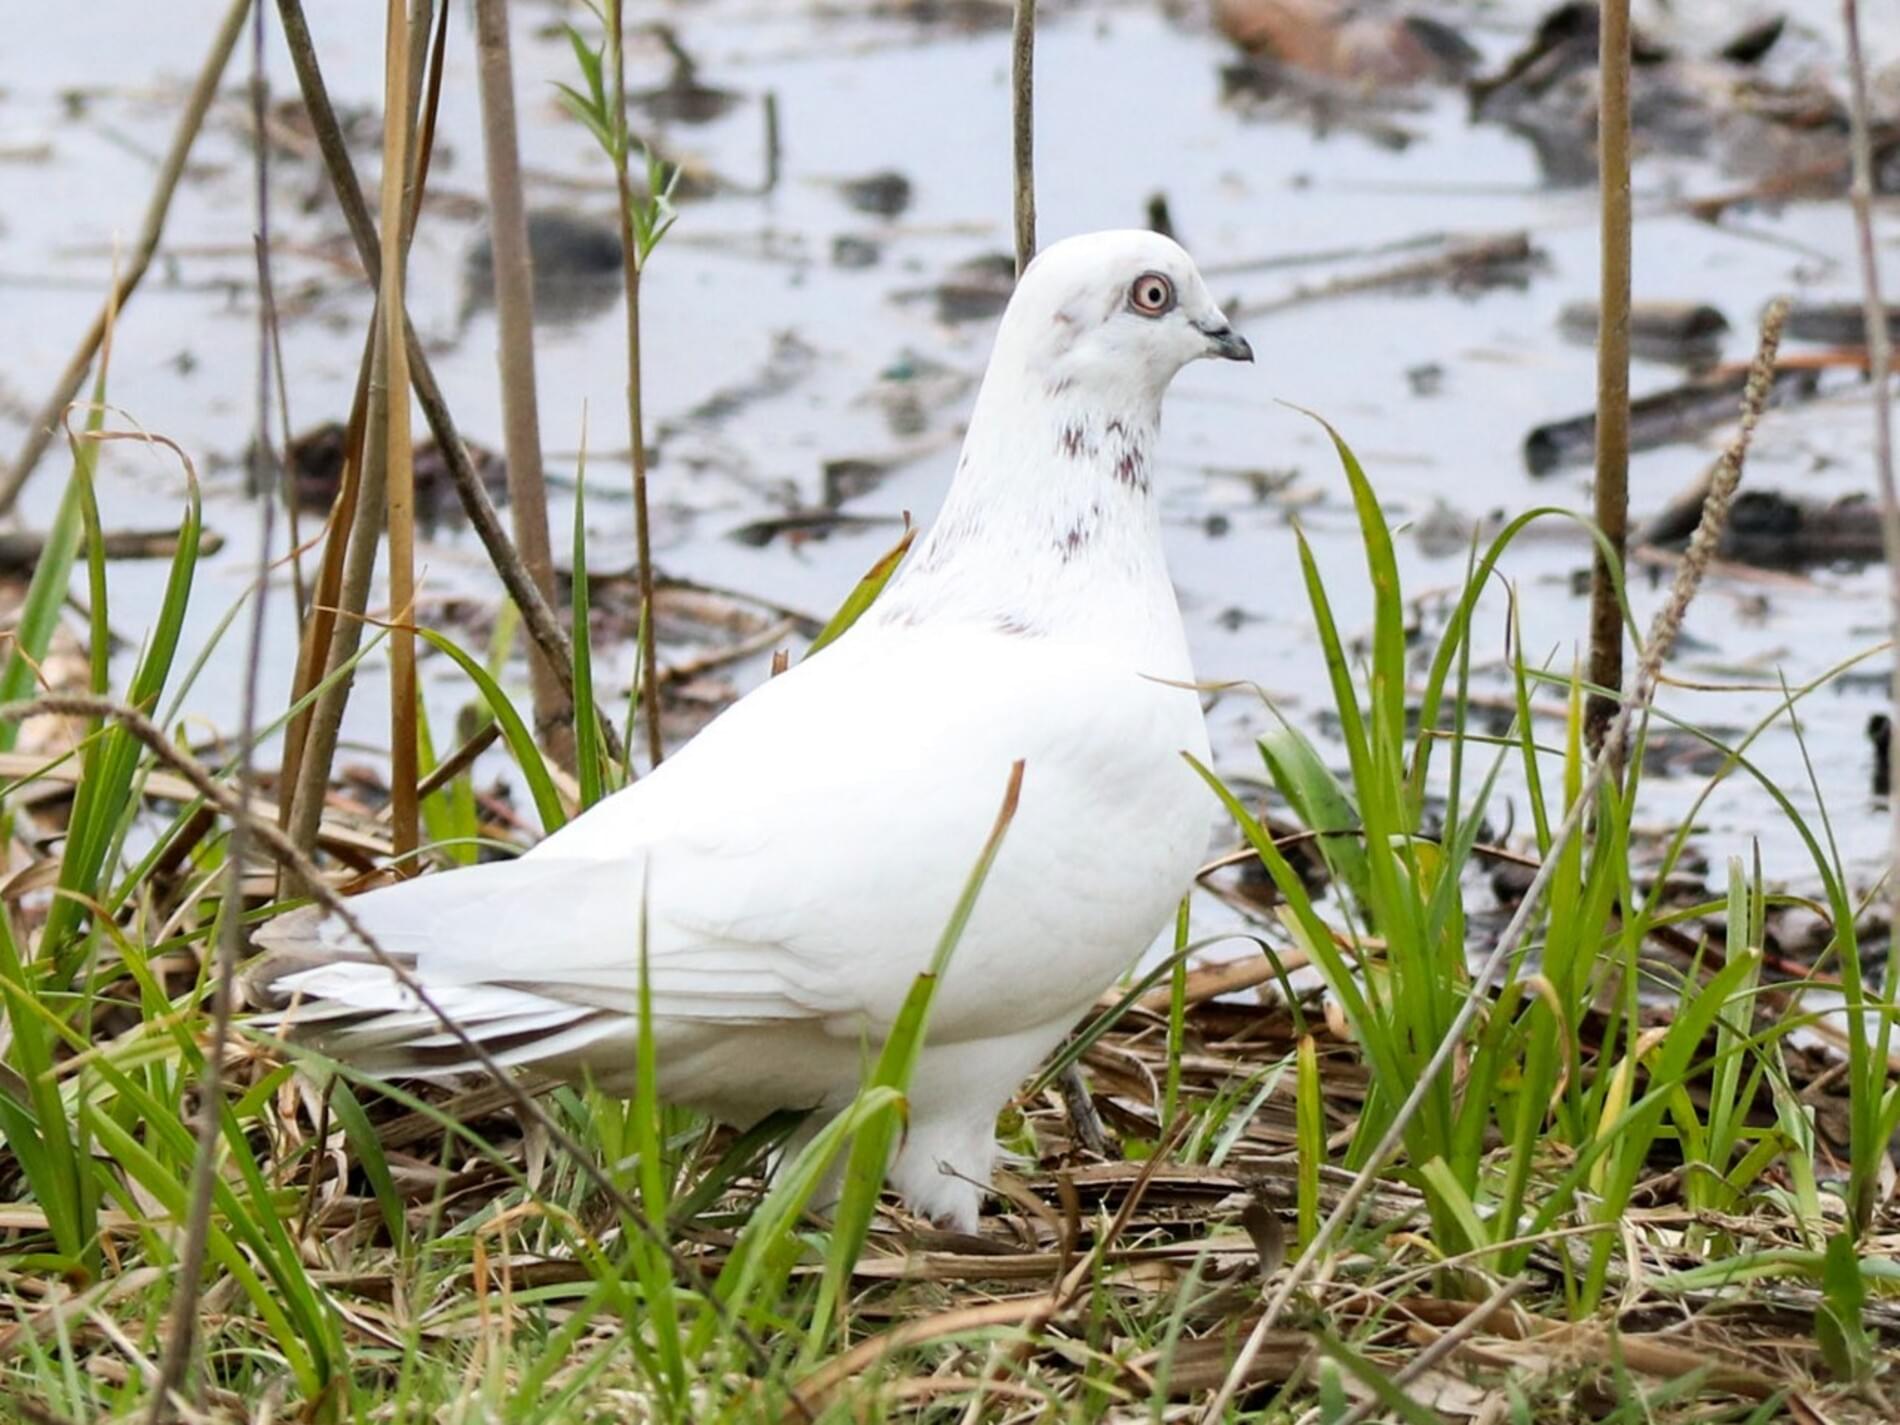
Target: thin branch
(1662, 637)
(1613, 363)
(180, 1336)
(46, 421)
(1022, 123)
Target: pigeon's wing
(796, 862)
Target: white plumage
(798, 859)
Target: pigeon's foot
(943, 1170)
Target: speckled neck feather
(1050, 528)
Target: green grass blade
(534, 769)
(864, 593)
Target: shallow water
(1128, 104)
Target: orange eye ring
(1151, 294)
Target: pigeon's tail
(313, 991)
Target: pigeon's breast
(1111, 824)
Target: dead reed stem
(326, 597)
(335, 631)
(1662, 636)
(398, 447)
(1084, 1121)
(630, 262)
(181, 1332)
(514, 354)
(359, 541)
(46, 421)
(1613, 365)
(536, 616)
(1022, 116)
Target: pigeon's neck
(1050, 529)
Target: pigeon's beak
(1223, 341)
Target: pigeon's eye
(1151, 295)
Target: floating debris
(20, 549)
(1773, 530)
(911, 388)
(792, 359)
(1835, 323)
(683, 99)
(1680, 333)
(1719, 106)
(577, 269)
(884, 194)
(1349, 42)
(1466, 265)
(849, 477)
(315, 461)
(854, 253)
(973, 291)
(1664, 418)
(802, 525)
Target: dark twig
(181, 1332)
(46, 421)
(1613, 365)
(1022, 123)
(1662, 637)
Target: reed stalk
(398, 445)
(514, 355)
(1611, 496)
(1022, 97)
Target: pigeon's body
(799, 859)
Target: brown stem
(1613, 366)
(326, 598)
(1022, 96)
(636, 424)
(398, 446)
(360, 541)
(45, 423)
(514, 312)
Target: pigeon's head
(1107, 312)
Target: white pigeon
(799, 859)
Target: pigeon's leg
(1084, 1122)
(943, 1169)
(831, 1186)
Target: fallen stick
(20, 549)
